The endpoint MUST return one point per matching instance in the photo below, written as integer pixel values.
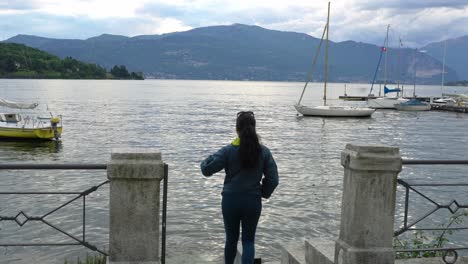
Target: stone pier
(367, 211)
(135, 176)
(368, 205)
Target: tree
(120, 72)
(137, 76)
(10, 65)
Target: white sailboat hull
(334, 111)
(385, 103)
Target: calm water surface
(188, 120)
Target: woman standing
(245, 162)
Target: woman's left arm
(214, 163)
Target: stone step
(293, 253)
(238, 259)
(320, 251)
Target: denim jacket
(239, 180)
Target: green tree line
(458, 83)
(20, 61)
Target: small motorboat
(413, 105)
(28, 126)
(385, 102)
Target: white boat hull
(422, 107)
(445, 101)
(334, 111)
(385, 103)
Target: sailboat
(385, 102)
(17, 126)
(414, 104)
(446, 98)
(326, 110)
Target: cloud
(412, 4)
(162, 9)
(292, 17)
(18, 5)
(50, 26)
(418, 22)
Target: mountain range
(244, 52)
(456, 55)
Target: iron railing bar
(438, 184)
(84, 218)
(56, 193)
(164, 215)
(434, 162)
(52, 166)
(105, 182)
(447, 206)
(89, 246)
(402, 182)
(61, 231)
(431, 249)
(93, 189)
(405, 225)
(40, 245)
(41, 193)
(424, 196)
(439, 229)
(90, 190)
(402, 230)
(61, 206)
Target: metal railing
(21, 218)
(449, 254)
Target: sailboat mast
(400, 72)
(386, 52)
(309, 75)
(414, 73)
(443, 70)
(399, 63)
(326, 59)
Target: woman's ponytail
(249, 150)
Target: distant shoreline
(218, 80)
(463, 83)
(53, 78)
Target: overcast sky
(417, 22)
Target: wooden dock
(365, 98)
(355, 98)
(450, 108)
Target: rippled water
(188, 120)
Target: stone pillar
(368, 205)
(135, 176)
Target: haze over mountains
(242, 52)
(456, 54)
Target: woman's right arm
(271, 179)
(214, 163)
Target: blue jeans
(240, 209)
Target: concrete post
(368, 205)
(135, 176)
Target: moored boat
(28, 126)
(334, 111)
(413, 105)
(385, 102)
(327, 110)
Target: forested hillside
(243, 52)
(20, 61)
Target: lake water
(188, 120)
